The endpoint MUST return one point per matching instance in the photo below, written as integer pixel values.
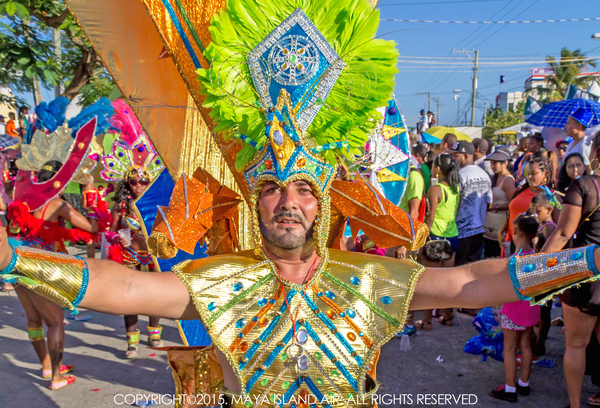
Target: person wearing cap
(576, 125)
(476, 195)
(481, 147)
(2, 126)
(503, 188)
(561, 148)
(423, 123)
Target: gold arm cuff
(58, 277)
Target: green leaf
(11, 8)
(49, 77)
(22, 11)
(30, 72)
(23, 61)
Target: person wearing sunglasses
(561, 148)
(132, 166)
(132, 250)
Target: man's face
(287, 214)
(461, 158)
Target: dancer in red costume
(43, 226)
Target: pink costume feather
(125, 122)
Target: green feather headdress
(347, 114)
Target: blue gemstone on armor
(111, 164)
(255, 319)
(141, 149)
(120, 154)
(342, 314)
(241, 335)
(293, 406)
(355, 281)
(361, 334)
(303, 362)
(576, 256)
(278, 138)
(529, 268)
(272, 301)
(330, 295)
(262, 302)
(351, 313)
(212, 306)
(302, 336)
(320, 294)
(386, 300)
(240, 323)
(237, 286)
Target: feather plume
(125, 122)
(102, 110)
(52, 115)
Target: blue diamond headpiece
(297, 58)
(296, 68)
(284, 158)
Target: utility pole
(484, 122)
(457, 97)
(428, 99)
(437, 101)
(475, 62)
(57, 54)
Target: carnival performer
(133, 164)
(294, 321)
(37, 218)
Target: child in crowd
(517, 321)
(542, 208)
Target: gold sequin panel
(354, 304)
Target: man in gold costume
(294, 322)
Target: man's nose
(289, 200)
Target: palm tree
(566, 72)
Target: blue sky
(527, 42)
(514, 42)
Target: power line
(504, 26)
(437, 2)
(465, 38)
(564, 20)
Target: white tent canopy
(471, 131)
(516, 128)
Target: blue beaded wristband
(9, 268)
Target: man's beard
(290, 239)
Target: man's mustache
(279, 217)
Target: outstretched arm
(486, 283)
(110, 287)
(116, 289)
(480, 284)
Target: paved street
(97, 348)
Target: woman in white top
(503, 188)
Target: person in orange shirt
(11, 129)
